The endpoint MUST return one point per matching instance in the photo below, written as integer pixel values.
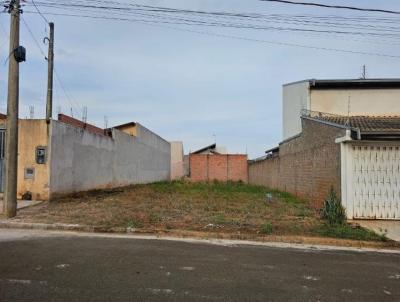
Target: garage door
(376, 181)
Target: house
(211, 149)
(68, 155)
(214, 163)
(359, 97)
(128, 128)
(353, 146)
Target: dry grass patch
(235, 208)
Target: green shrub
(219, 219)
(132, 224)
(333, 211)
(346, 231)
(266, 228)
(154, 218)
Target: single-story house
(354, 148)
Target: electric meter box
(41, 153)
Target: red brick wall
(307, 166)
(77, 123)
(198, 167)
(222, 167)
(217, 167)
(237, 167)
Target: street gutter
(76, 230)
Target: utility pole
(31, 112)
(17, 55)
(105, 122)
(50, 60)
(364, 72)
(84, 115)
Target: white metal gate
(375, 178)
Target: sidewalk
(391, 228)
(22, 204)
(16, 224)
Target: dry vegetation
(233, 208)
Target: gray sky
(188, 86)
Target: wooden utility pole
(364, 72)
(11, 154)
(50, 59)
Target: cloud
(182, 85)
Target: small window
(29, 173)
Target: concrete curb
(87, 231)
(45, 226)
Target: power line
(39, 12)
(305, 22)
(64, 90)
(396, 34)
(226, 36)
(376, 10)
(33, 37)
(157, 9)
(70, 100)
(394, 31)
(286, 44)
(128, 6)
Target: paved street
(44, 266)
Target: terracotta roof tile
(366, 124)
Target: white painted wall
(370, 102)
(361, 101)
(81, 160)
(295, 98)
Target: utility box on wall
(41, 155)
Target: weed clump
(266, 228)
(333, 211)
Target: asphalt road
(37, 266)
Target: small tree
(333, 211)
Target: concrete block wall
(265, 172)
(222, 167)
(177, 160)
(307, 166)
(82, 160)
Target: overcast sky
(188, 86)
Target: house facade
(357, 153)
(67, 155)
(360, 97)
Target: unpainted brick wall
(307, 166)
(222, 167)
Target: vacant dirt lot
(232, 208)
